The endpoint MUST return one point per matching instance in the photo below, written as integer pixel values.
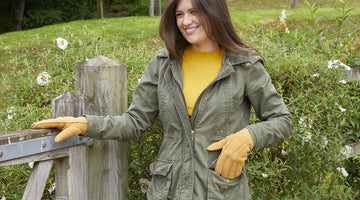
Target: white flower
(62, 43)
(3, 198)
(52, 187)
(287, 30)
(346, 151)
(305, 122)
(306, 137)
(283, 17)
(346, 67)
(331, 64)
(316, 75)
(10, 109)
(342, 109)
(144, 184)
(10, 117)
(343, 81)
(283, 152)
(343, 171)
(334, 64)
(325, 142)
(43, 78)
(31, 164)
(264, 175)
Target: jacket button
(256, 57)
(192, 131)
(247, 64)
(227, 180)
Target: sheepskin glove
(70, 126)
(235, 148)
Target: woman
(203, 86)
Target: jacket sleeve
(140, 115)
(276, 124)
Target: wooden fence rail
(84, 168)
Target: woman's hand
(234, 153)
(71, 126)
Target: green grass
(130, 28)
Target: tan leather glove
(234, 153)
(71, 126)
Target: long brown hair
(218, 26)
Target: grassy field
(131, 28)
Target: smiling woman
(203, 85)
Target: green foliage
(141, 7)
(45, 12)
(298, 168)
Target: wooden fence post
(293, 4)
(102, 84)
(70, 182)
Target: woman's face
(189, 23)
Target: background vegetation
(325, 109)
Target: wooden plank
(78, 173)
(61, 166)
(37, 181)
(60, 153)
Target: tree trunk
(151, 8)
(293, 4)
(158, 7)
(20, 5)
(100, 9)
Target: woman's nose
(187, 19)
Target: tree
(100, 9)
(154, 5)
(158, 7)
(151, 8)
(19, 13)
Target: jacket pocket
(161, 179)
(220, 188)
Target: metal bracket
(39, 145)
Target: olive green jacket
(184, 169)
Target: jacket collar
(243, 58)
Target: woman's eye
(179, 14)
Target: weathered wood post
(101, 82)
(293, 4)
(70, 181)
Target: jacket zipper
(202, 97)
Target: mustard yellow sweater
(198, 70)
